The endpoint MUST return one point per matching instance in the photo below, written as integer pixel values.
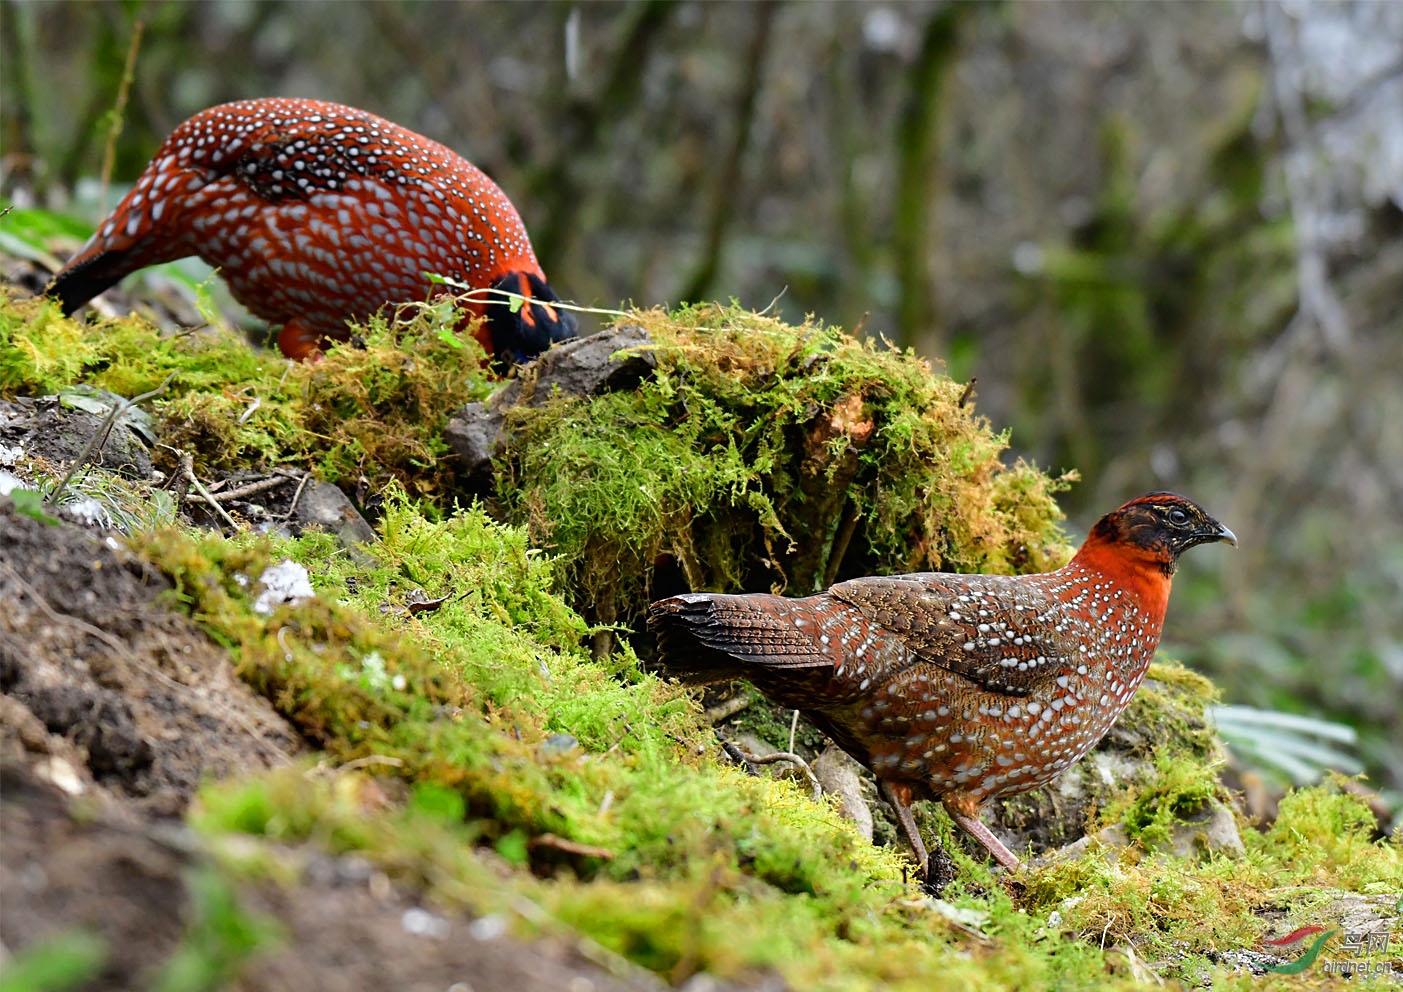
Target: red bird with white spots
(956, 687)
(316, 213)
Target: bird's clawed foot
(937, 871)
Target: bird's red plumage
(314, 213)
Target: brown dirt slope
(113, 708)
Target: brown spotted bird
(960, 688)
(314, 214)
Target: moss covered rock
(762, 456)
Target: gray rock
(601, 363)
(840, 776)
(324, 505)
(609, 361)
(1212, 829)
(44, 428)
(475, 435)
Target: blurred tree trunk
(17, 81)
(849, 141)
(917, 182)
(728, 179)
(556, 187)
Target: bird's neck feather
(1139, 572)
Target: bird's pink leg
(901, 805)
(976, 829)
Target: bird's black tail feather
(77, 284)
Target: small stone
(327, 506)
(487, 928)
(609, 361)
(1213, 829)
(284, 584)
(557, 744)
(55, 770)
(422, 923)
(838, 774)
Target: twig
(187, 468)
(737, 753)
(253, 488)
(296, 497)
(368, 760)
(775, 302)
(571, 846)
(96, 442)
(969, 390)
(793, 729)
(789, 756)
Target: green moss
(767, 456)
(1179, 790)
(1323, 836)
(1164, 908)
(56, 962)
(370, 403)
(220, 937)
(372, 409)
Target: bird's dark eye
(1178, 517)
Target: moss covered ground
(481, 754)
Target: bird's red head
(1140, 543)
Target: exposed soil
(97, 672)
(114, 709)
(341, 926)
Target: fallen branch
(728, 707)
(251, 489)
(297, 496)
(738, 753)
(571, 847)
(187, 469)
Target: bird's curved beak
(1221, 534)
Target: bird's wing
(291, 155)
(991, 629)
(284, 166)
